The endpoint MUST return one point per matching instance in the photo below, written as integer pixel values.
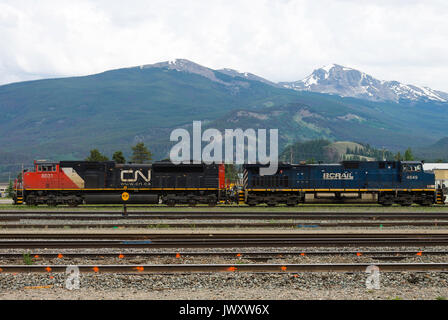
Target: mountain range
(348, 82)
(66, 117)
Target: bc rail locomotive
(383, 182)
(77, 182)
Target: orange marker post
(232, 268)
(358, 254)
(283, 268)
(419, 253)
(177, 255)
(60, 256)
(48, 269)
(95, 269)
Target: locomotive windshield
(46, 167)
(412, 167)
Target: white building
(441, 172)
(3, 187)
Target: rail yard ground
(295, 257)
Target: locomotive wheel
(212, 203)
(192, 203)
(30, 201)
(171, 203)
(72, 202)
(52, 202)
(406, 204)
(387, 203)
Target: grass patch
(158, 226)
(234, 208)
(396, 298)
(27, 259)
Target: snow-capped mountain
(192, 67)
(185, 66)
(348, 82)
(245, 75)
(332, 79)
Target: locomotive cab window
(412, 167)
(46, 168)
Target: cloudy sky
(281, 40)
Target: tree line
(140, 154)
(379, 154)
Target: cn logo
(132, 176)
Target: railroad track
(194, 225)
(217, 215)
(204, 235)
(209, 268)
(217, 240)
(252, 255)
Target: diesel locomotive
(77, 182)
(383, 182)
(82, 182)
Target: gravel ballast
(401, 285)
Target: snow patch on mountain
(348, 82)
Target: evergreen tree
(398, 156)
(140, 154)
(408, 155)
(95, 155)
(231, 172)
(10, 190)
(118, 157)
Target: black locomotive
(76, 182)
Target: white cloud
(279, 40)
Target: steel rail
(240, 255)
(421, 219)
(204, 235)
(222, 243)
(297, 225)
(213, 212)
(235, 268)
